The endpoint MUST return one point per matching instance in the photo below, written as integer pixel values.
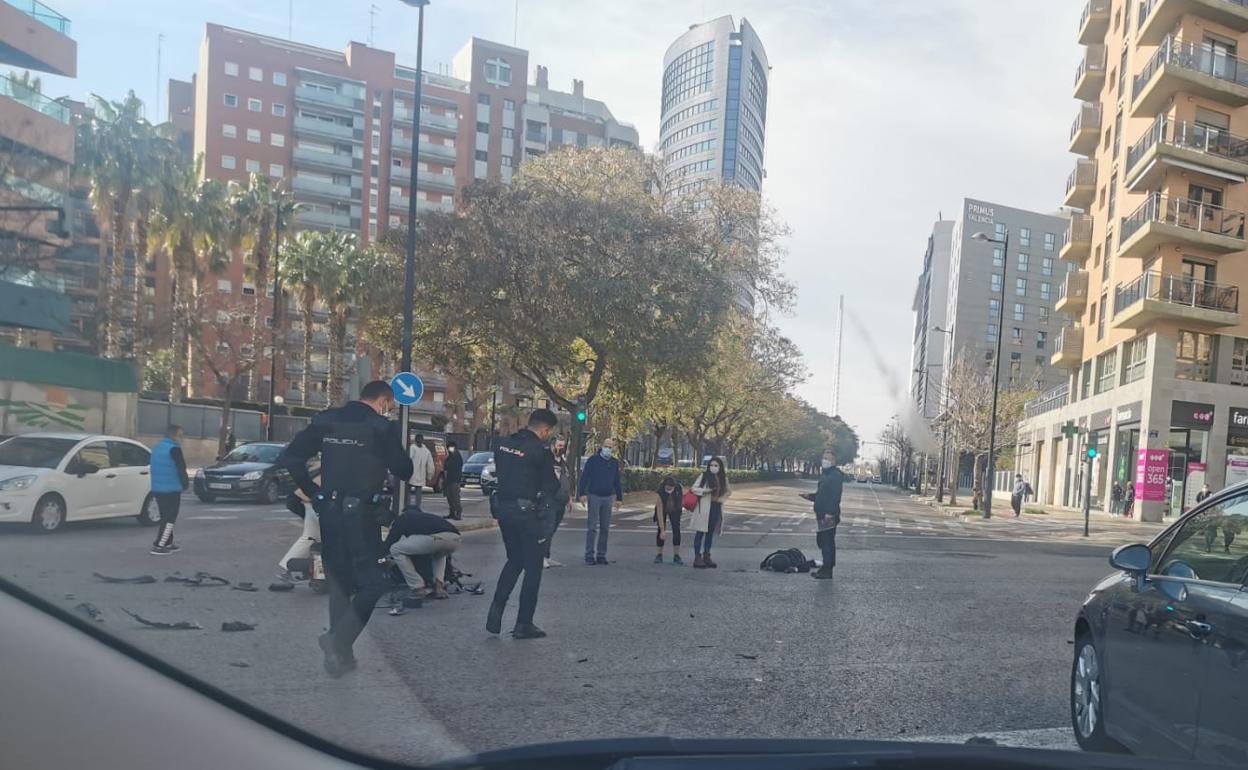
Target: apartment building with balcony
(1156, 351)
(336, 127)
(36, 156)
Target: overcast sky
(881, 115)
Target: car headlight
(253, 476)
(17, 482)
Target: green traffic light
(1092, 452)
(580, 416)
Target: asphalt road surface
(934, 628)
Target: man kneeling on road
(416, 533)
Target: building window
(992, 333)
(279, 78)
(1024, 262)
(996, 282)
(231, 68)
(1020, 311)
(1085, 387)
(1135, 357)
(1046, 266)
(506, 160)
(1050, 241)
(1042, 340)
(1016, 335)
(1194, 357)
(224, 286)
(394, 221)
(509, 104)
(509, 133)
(229, 131)
(1016, 367)
(998, 257)
(1024, 236)
(1046, 291)
(256, 74)
(279, 109)
(255, 105)
(253, 135)
(1239, 362)
(277, 140)
(1100, 318)
(1106, 370)
(249, 289)
(1020, 287)
(482, 155)
(483, 99)
(230, 100)
(994, 309)
(276, 170)
(439, 397)
(498, 72)
(252, 166)
(999, 230)
(483, 128)
(227, 161)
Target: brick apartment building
(336, 128)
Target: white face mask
(713, 469)
(607, 452)
(827, 464)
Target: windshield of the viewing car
(34, 452)
(254, 453)
(950, 324)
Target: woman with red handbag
(708, 518)
(667, 513)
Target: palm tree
(261, 205)
(345, 272)
(186, 227)
(108, 150)
(304, 262)
(155, 161)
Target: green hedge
(648, 480)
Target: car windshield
(947, 291)
(254, 453)
(34, 452)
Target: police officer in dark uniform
(524, 504)
(357, 445)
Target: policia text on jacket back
(357, 446)
(524, 503)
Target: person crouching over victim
(416, 533)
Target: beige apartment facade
(1155, 342)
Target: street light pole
(277, 319)
(944, 440)
(409, 267)
(996, 369)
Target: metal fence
(204, 422)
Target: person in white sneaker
(563, 502)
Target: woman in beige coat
(708, 518)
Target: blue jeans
(599, 525)
(701, 539)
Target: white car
(47, 479)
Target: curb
(476, 525)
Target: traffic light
(1091, 453)
(580, 413)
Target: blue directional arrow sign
(407, 388)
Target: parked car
(48, 479)
(436, 444)
(247, 472)
(489, 478)
(1161, 645)
(473, 466)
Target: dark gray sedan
(1161, 645)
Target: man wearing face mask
(600, 480)
(828, 513)
(527, 490)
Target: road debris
(140, 580)
(245, 586)
(181, 625)
(237, 625)
(200, 579)
(240, 664)
(91, 611)
(744, 656)
(281, 587)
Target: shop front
(1188, 443)
(1126, 444)
(1098, 436)
(1237, 446)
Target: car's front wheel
(149, 514)
(49, 514)
(269, 492)
(204, 497)
(1087, 697)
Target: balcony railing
(1084, 175)
(329, 98)
(33, 99)
(1189, 136)
(43, 14)
(1093, 8)
(1190, 215)
(304, 156)
(1079, 231)
(1048, 401)
(1074, 287)
(1195, 57)
(427, 119)
(1177, 290)
(1089, 117)
(1091, 66)
(324, 128)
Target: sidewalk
(1001, 507)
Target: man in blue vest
(169, 481)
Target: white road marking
(213, 518)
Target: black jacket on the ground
(414, 522)
(828, 496)
(453, 467)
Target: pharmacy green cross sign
(1070, 430)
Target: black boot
(494, 620)
(823, 573)
(527, 631)
(332, 661)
